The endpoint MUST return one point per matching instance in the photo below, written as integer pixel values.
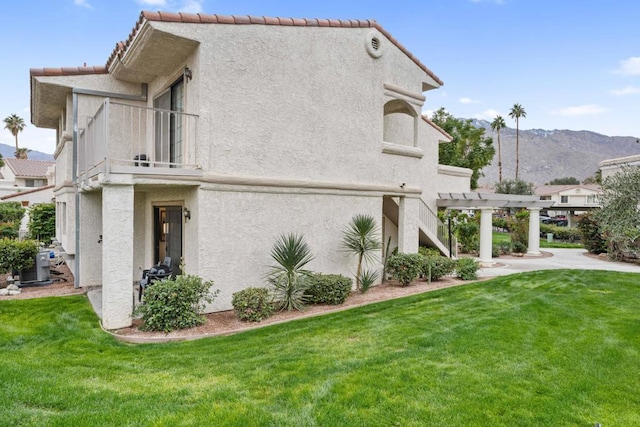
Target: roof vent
(373, 44)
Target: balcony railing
(124, 138)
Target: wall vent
(373, 44)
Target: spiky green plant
(291, 253)
(368, 278)
(361, 238)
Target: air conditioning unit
(39, 272)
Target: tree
(596, 178)
(564, 181)
(514, 186)
(516, 112)
(469, 148)
(15, 125)
(22, 153)
(497, 124)
(361, 239)
(619, 218)
(1, 161)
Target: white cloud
(488, 115)
(187, 6)
(82, 3)
(153, 2)
(628, 90)
(629, 66)
(579, 110)
(466, 100)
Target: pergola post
(486, 235)
(534, 231)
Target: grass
(499, 237)
(556, 348)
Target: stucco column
(408, 217)
(486, 235)
(534, 232)
(117, 256)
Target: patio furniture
(160, 271)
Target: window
(34, 183)
(564, 199)
(399, 123)
(545, 197)
(592, 199)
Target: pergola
(486, 203)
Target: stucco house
(570, 199)
(205, 137)
(24, 174)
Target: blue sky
(572, 64)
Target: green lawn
(499, 237)
(554, 348)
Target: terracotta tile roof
(438, 128)
(68, 71)
(198, 18)
(24, 168)
(22, 193)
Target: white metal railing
(430, 220)
(135, 139)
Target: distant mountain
(549, 154)
(9, 151)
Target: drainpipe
(74, 95)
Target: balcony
(129, 139)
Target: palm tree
(291, 253)
(22, 153)
(497, 124)
(516, 112)
(361, 239)
(15, 125)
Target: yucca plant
(361, 238)
(289, 277)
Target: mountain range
(8, 151)
(549, 154)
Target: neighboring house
(609, 167)
(570, 199)
(23, 174)
(205, 137)
(30, 198)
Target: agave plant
(361, 239)
(291, 253)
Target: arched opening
(400, 123)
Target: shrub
(468, 236)
(467, 268)
(520, 230)
(591, 234)
(175, 303)
(289, 277)
(505, 248)
(11, 212)
(253, 304)
(519, 247)
(16, 255)
(495, 250)
(328, 289)
(428, 252)
(405, 267)
(9, 230)
(42, 222)
(435, 267)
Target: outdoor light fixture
(186, 212)
(187, 73)
(403, 184)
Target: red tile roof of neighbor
(28, 168)
(190, 18)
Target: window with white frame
(564, 199)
